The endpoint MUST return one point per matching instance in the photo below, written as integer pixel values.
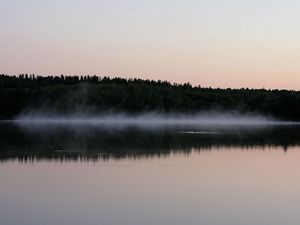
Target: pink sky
(220, 43)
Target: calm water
(59, 174)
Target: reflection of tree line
(92, 145)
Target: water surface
(62, 174)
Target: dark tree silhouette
(66, 94)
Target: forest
(68, 94)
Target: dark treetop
(69, 94)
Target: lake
(162, 175)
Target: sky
(217, 43)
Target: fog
(211, 118)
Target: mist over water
(35, 141)
(212, 118)
(142, 135)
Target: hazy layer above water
(146, 120)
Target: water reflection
(31, 142)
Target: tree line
(69, 94)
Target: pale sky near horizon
(218, 43)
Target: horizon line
(145, 79)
